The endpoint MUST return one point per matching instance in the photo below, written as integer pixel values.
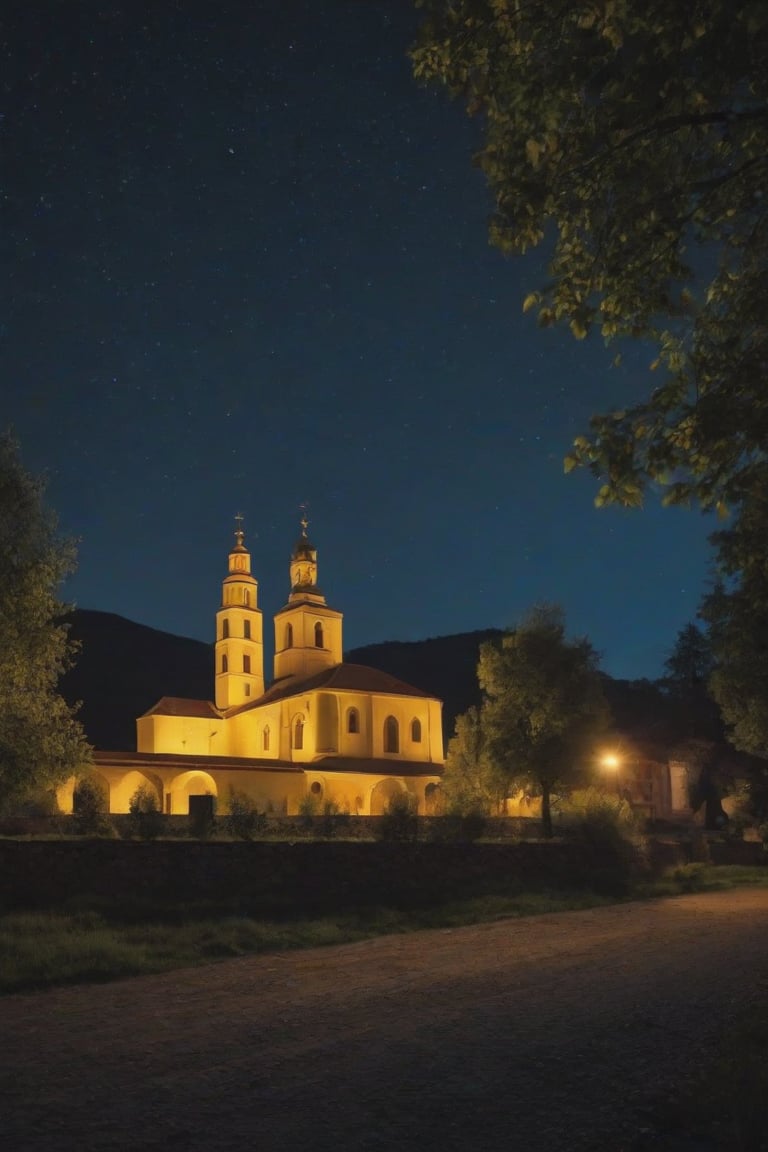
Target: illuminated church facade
(344, 734)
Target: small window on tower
(246, 597)
(265, 738)
(318, 635)
(247, 629)
(246, 664)
(247, 689)
(353, 720)
(224, 664)
(225, 629)
(289, 636)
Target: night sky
(246, 266)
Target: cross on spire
(239, 529)
(304, 508)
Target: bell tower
(239, 632)
(307, 632)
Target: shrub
(90, 808)
(244, 820)
(333, 819)
(309, 806)
(690, 877)
(145, 818)
(400, 821)
(38, 803)
(605, 829)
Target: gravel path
(548, 1033)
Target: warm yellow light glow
(610, 761)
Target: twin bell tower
(308, 634)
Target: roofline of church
(106, 759)
(303, 685)
(377, 766)
(301, 598)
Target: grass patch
(703, 878)
(42, 949)
(89, 945)
(39, 949)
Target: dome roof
(303, 549)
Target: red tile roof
(128, 760)
(178, 706)
(341, 678)
(381, 766)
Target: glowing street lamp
(611, 763)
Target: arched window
(318, 635)
(246, 597)
(289, 636)
(353, 720)
(225, 629)
(265, 739)
(298, 733)
(416, 730)
(224, 664)
(246, 663)
(247, 629)
(391, 735)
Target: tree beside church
(543, 713)
(41, 741)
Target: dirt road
(548, 1033)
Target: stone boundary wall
(277, 878)
(292, 878)
(298, 827)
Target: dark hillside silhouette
(123, 668)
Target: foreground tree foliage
(41, 743)
(689, 664)
(544, 709)
(738, 621)
(631, 137)
(686, 685)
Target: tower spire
(239, 644)
(307, 632)
(239, 534)
(303, 558)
